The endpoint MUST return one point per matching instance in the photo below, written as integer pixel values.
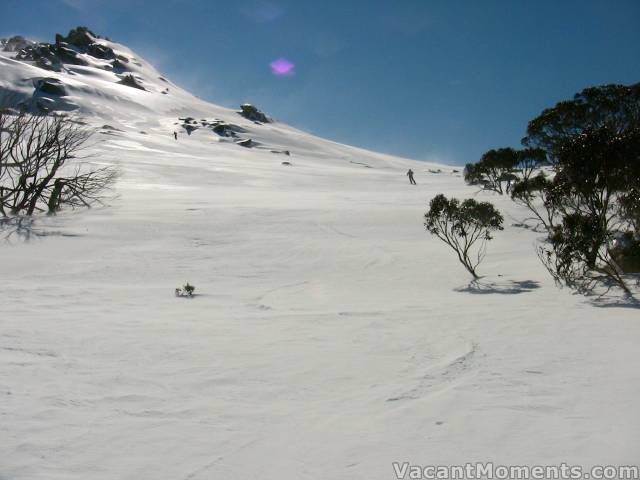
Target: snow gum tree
(588, 202)
(593, 145)
(465, 226)
(595, 238)
(494, 171)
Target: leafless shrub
(41, 165)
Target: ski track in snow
(440, 374)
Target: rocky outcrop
(226, 129)
(190, 128)
(80, 37)
(44, 55)
(246, 143)
(131, 81)
(282, 152)
(51, 86)
(190, 124)
(70, 56)
(80, 47)
(65, 50)
(252, 113)
(101, 51)
(119, 64)
(14, 44)
(626, 252)
(49, 94)
(219, 127)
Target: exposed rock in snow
(283, 152)
(131, 81)
(80, 37)
(65, 50)
(252, 113)
(119, 64)
(52, 86)
(14, 44)
(247, 143)
(225, 129)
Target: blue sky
(426, 79)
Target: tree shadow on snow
(615, 302)
(608, 295)
(23, 228)
(509, 287)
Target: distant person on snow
(175, 135)
(410, 175)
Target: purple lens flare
(282, 67)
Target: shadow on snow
(511, 287)
(23, 228)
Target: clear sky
(427, 79)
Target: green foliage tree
(465, 226)
(530, 161)
(536, 194)
(616, 107)
(593, 192)
(494, 171)
(590, 204)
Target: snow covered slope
(95, 91)
(330, 335)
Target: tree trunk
(54, 200)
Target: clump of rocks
(219, 127)
(225, 129)
(48, 85)
(246, 143)
(66, 50)
(131, 81)
(252, 113)
(14, 44)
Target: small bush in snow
(186, 291)
(465, 226)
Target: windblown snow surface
(330, 335)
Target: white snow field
(330, 335)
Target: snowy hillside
(330, 335)
(95, 90)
